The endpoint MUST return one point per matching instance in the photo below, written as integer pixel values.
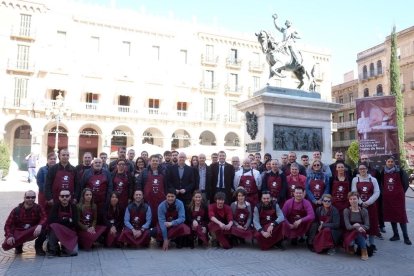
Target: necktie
(221, 177)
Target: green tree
(4, 158)
(396, 91)
(353, 152)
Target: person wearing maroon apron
(356, 225)
(340, 186)
(221, 220)
(275, 182)
(267, 220)
(317, 184)
(197, 219)
(299, 216)
(325, 233)
(294, 180)
(26, 222)
(242, 216)
(61, 176)
(41, 181)
(368, 190)
(171, 218)
(394, 185)
(88, 231)
(123, 184)
(99, 181)
(137, 221)
(63, 220)
(250, 179)
(153, 182)
(114, 221)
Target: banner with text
(377, 128)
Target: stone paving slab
(393, 258)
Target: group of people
(127, 202)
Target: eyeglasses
(326, 201)
(364, 158)
(362, 169)
(64, 196)
(30, 197)
(316, 165)
(123, 164)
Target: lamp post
(57, 113)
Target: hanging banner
(377, 128)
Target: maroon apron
(64, 180)
(85, 238)
(274, 186)
(323, 239)
(173, 231)
(114, 219)
(366, 190)
(317, 188)
(198, 216)
(267, 216)
(20, 237)
(99, 186)
(249, 184)
(294, 215)
(393, 198)
(67, 237)
(137, 219)
(292, 184)
(121, 186)
(154, 193)
(351, 235)
(339, 191)
(240, 216)
(222, 236)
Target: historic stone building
(92, 79)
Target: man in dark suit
(222, 176)
(203, 173)
(181, 177)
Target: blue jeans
(360, 240)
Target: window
(234, 82)
(153, 106)
(351, 116)
(61, 39)
(379, 67)
(233, 56)
(371, 70)
(341, 117)
(366, 92)
(55, 92)
(379, 90)
(126, 48)
(209, 53)
(22, 57)
(351, 97)
(91, 100)
(156, 53)
(341, 136)
(20, 90)
(341, 99)
(183, 56)
(209, 109)
(364, 72)
(209, 79)
(256, 83)
(182, 109)
(25, 22)
(256, 60)
(352, 135)
(124, 100)
(95, 47)
(232, 111)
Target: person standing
(394, 184)
(123, 184)
(294, 180)
(26, 222)
(275, 183)
(86, 165)
(251, 180)
(41, 179)
(340, 186)
(204, 176)
(317, 184)
(31, 160)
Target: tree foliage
(4, 158)
(353, 152)
(396, 91)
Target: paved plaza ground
(393, 258)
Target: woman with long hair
(242, 216)
(197, 219)
(114, 220)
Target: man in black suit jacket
(227, 181)
(181, 177)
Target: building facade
(91, 79)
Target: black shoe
(280, 245)
(373, 247)
(310, 247)
(407, 241)
(214, 243)
(52, 254)
(40, 252)
(379, 236)
(18, 250)
(301, 240)
(382, 230)
(395, 238)
(294, 241)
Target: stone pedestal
(289, 120)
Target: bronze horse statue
(280, 58)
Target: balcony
(256, 67)
(17, 66)
(182, 113)
(209, 87)
(349, 105)
(348, 124)
(233, 63)
(372, 74)
(17, 103)
(209, 60)
(233, 89)
(341, 144)
(24, 34)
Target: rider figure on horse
(289, 37)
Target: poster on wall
(377, 128)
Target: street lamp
(56, 112)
